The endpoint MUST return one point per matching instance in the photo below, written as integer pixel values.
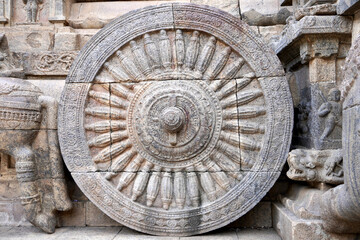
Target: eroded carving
(31, 8)
(316, 166)
(51, 61)
(331, 110)
(303, 201)
(321, 9)
(304, 109)
(176, 123)
(21, 107)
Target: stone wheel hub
(175, 119)
(171, 126)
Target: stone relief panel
(30, 12)
(331, 112)
(48, 63)
(175, 119)
(325, 166)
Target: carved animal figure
(21, 107)
(316, 166)
(332, 111)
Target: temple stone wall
(312, 40)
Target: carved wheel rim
(175, 129)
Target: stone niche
(175, 119)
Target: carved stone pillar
(57, 13)
(317, 46)
(325, 118)
(5, 7)
(175, 119)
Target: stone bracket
(312, 36)
(315, 47)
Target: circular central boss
(173, 119)
(174, 123)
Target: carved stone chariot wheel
(175, 119)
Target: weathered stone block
(264, 7)
(230, 6)
(66, 42)
(12, 213)
(322, 70)
(86, 36)
(83, 14)
(255, 18)
(258, 217)
(97, 218)
(251, 234)
(268, 32)
(290, 227)
(76, 217)
(325, 48)
(52, 88)
(30, 41)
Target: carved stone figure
(31, 8)
(304, 109)
(331, 110)
(316, 166)
(21, 105)
(341, 205)
(175, 119)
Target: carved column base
(291, 227)
(3, 20)
(58, 20)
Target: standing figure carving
(332, 112)
(31, 7)
(21, 106)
